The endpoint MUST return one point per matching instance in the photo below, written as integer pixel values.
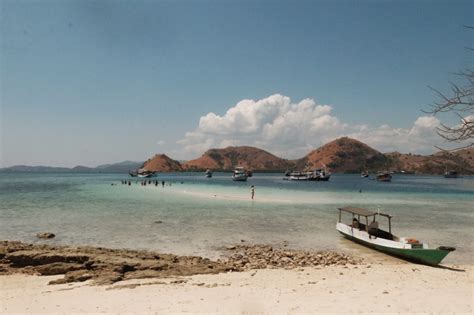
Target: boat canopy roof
(363, 212)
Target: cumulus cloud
(291, 129)
(420, 138)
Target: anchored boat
(315, 175)
(451, 173)
(208, 174)
(239, 174)
(384, 177)
(364, 230)
(143, 173)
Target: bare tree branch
(459, 102)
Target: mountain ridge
(342, 155)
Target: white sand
(378, 289)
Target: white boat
(143, 173)
(314, 175)
(239, 174)
(365, 230)
(208, 174)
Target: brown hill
(344, 155)
(461, 160)
(162, 163)
(249, 157)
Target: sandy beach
(249, 279)
(401, 288)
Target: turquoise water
(201, 215)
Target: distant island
(121, 167)
(343, 155)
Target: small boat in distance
(239, 174)
(384, 177)
(364, 174)
(143, 173)
(208, 173)
(315, 175)
(451, 173)
(369, 234)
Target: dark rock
(58, 268)
(36, 258)
(45, 235)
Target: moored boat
(364, 174)
(315, 175)
(143, 173)
(384, 177)
(451, 173)
(368, 233)
(208, 173)
(239, 174)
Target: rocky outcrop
(106, 266)
(103, 266)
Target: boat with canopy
(364, 229)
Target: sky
(94, 82)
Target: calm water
(201, 215)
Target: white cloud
(420, 138)
(291, 129)
(161, 142)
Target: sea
(194, 215)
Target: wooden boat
(384, 177)
(365, 230)
(239, 174)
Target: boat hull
(424, 256)
(239, 178)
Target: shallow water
(201, 215)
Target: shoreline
(250, 279)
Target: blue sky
(91, 82)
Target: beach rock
(106, 266)
(45, 235)
(57, 268)
(265, 256)
(158, 222)
(36, 258)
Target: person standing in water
(252, 191)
